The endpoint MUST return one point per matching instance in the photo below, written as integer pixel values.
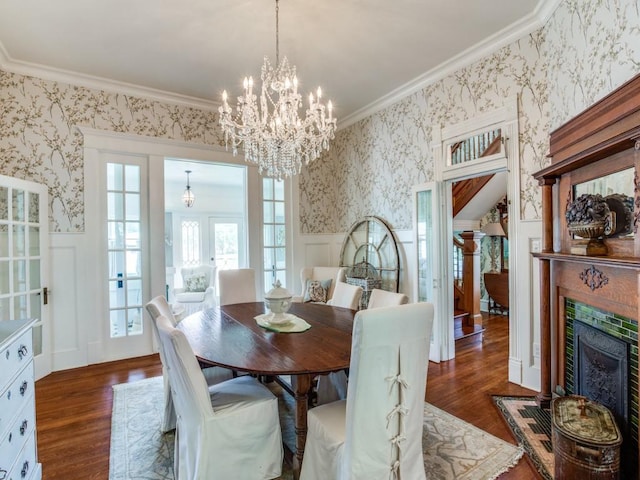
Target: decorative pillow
(317, 290)
(195, 283)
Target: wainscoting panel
(69, 346)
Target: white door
(429, 264)
(227, 243)
(24, 262)
(125, 256)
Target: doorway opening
(207, 227)
(480, 254)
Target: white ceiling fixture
(270, 132)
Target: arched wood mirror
(370, 256)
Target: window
(190, 243)
(274, 232)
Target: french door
(227, 243)
(24, 262)
(429, 261)
(125, 255)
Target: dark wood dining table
(229, 336)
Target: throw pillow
(195, 283)
(317, 290)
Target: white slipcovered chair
(333, 386)
(327, 277)
(382, 298)
(228, 430)
(198, 288)
(156, 307)
(237, 286)
(377, 431)
(346, 296)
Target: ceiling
(484, 200)
(362, 52)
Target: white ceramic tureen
(278, 301)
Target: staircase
(465, 331)
(468, 327)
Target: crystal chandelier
(269, 129)
(188, 197)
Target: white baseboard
(515, 370)
(66, 359)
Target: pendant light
(188, 197)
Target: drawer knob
(23, 388)
(25, 469)
(22, 352)
(3, 474)
(23, 427)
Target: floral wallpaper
(373, 165)
(592, 48)
(38, 141)
(585, 50)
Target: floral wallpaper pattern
(592, 48)
(38, 141)
(585, 50)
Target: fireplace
(601, 370)
(601, 364)
(601, 141)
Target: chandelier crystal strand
(270, 132)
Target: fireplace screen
(601, 369)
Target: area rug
(453, 449)
(531, 426)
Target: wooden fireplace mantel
(602, 140)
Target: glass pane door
(124, 250)
(428, 265)
(24, 261)
(274, 233)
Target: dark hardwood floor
(74, 406)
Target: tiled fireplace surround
(616, 326)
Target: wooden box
(586, 440)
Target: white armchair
(199, 288)
(320, 274)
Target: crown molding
(507, 35)
(79, 79)
(517, 30)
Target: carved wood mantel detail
(594, 278)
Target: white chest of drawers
(18, 450)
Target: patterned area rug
(531, 426)
(453, 449)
